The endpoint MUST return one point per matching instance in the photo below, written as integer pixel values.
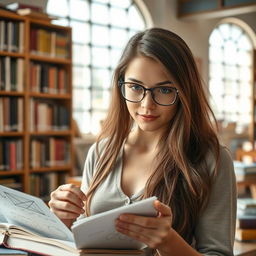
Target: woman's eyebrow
(135, 80)
(140, 82)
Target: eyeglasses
(162, 95)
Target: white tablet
(98, 231)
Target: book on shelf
(47, 115)
(28, 224)
(11, 182)
(11, 74)
(41, 185)
(245, 234)
(12, 36)
(246, 222)
(11, 114)
(246, 206)
(244, 168)
(49, 152)
(11, 154)
(48, 43)
(45, 78)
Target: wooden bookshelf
(45, 132)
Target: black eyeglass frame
(121, 83)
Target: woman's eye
(136, 87)
(165, 90)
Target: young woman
(158, 139)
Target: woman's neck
(146, 141)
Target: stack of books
(246, 219)
(245, 171)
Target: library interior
(57, 59)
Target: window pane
(123, 3)
(230, 52)
(99, 13)
(216, 38)
(231, 88)
(101, 78)
(236, 32)
(115, 56)
(231, 72)
(81, 54)
(62, 9)
(81, 99)
(102, 1)
(246, 91)
(118, 17)
(118, 37)
(225, 31)
(216, 70)
(79, 9)
(80, 32)
(83, 120)
(244, 57)
(96, 121)
(245, 74)
(81, 77)
(100, 99)
(216, 86)
(100, 35)
(245, 43)
(100, 57)
(135, 19)
(216, 54)
(61, 22)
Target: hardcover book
(26, 223)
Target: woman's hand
(153, 231)
(67, 202)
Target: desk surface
(245, 248)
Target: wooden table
(245, 248)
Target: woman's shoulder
(224, 161)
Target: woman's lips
(148, 117)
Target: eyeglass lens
(163, 95)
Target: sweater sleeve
(215, 231)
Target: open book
(27, 223)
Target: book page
(2, 218)
(32, 213)
(98, 231)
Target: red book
(12, 155)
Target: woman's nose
(148, 101)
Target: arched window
(100, 30)
(230, 73)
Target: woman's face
(147, 114)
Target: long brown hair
(180, 179)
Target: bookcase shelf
(50, 169)
(11, 134)
(12, 54)
(50, 59)
(50, 96)
(52, 133)
(12, 93)
(10, 173)
(38, 129)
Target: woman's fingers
(67, 201)
(163, 209)
(149, 230)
